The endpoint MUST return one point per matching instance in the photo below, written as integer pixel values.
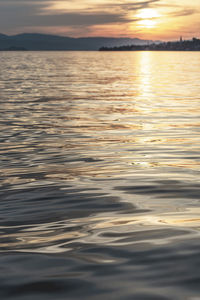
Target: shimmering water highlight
(100, 175)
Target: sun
(148, 13)
(147, 18)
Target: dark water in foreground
(100, 186)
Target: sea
(100, 175)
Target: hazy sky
(152, 19)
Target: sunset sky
(146, 19)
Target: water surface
(100, 188)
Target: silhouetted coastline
(47, 42)
(181, 45)
(14, 48)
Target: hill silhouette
(36, 41)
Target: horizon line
(105, 37)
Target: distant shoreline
(58, 50)
(181, 45)
(42, 42)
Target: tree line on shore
(181, 45)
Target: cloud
(184, 12)
(79, 19)
(138, 5)
(17, 15)
(123, 6)
(30, 13)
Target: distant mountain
(36, 41)
(3, 35)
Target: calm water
(100, 185)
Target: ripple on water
(99, 175)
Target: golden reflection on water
(48, 238)
(130, 120)
(145, 75)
